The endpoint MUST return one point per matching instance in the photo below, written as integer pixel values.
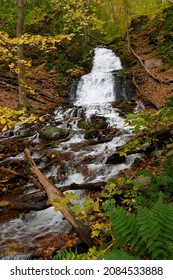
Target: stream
(95, 129)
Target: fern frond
(146, 201)
(160, 220)
(149, 233)
(165, 180)
(117, 254)
(68, 254)
(147, 228)
(123, 226)
(168, 166)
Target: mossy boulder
(93, 124)
(53, 133)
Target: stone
(153, 63)
(93, 124)
(53, 133)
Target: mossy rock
(89, 135)
(92, 125)
(53, 133)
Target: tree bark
(86, 37)
(53, 193)
(84, 186)
(20, 55)
(126, 12)
(21, 205)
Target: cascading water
(98, 86)
(86, 160)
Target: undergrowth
(133, 218)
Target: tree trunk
(126, 12)
(113, 12)
(53, 193)
(20, 56)
(86, 37)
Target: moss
(94, 124)
(53, 133)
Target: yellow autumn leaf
(3, 121)
(5, 128)
(41, 119)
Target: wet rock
(89, 159)
(89, 135)
(124, 87)
(73, 88)
(137, 162)
(53, 133)
(93, 124)
(115, 159)
(125, 107)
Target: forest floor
(50, 91)
(158, 90)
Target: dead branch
(97, 39)
(84, 186)
(53, 193)
(13, 172)
(21, 205)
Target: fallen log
(38, 201)
(21, 206)
(53, 193)
(84, 186)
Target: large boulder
(53, 133)
(93, 124)
(153, 63)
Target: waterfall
(98, 86)
(81, 160)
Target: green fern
(68, 254)
(147, 235)
(118, 255)
(168, 166)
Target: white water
(98, 86)
(94, 96)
